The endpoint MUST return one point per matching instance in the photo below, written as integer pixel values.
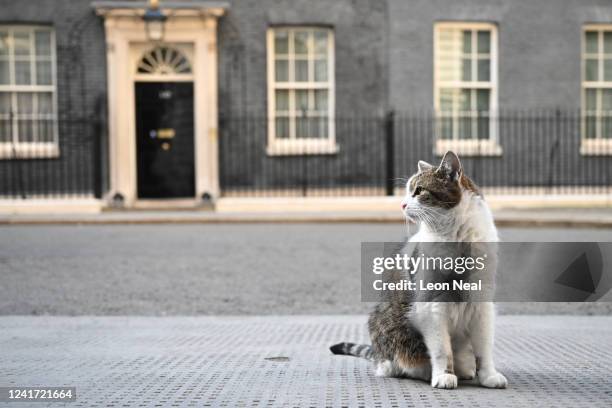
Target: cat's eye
(417, 191)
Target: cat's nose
(404, 205)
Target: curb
(216, 218)
(553, 223)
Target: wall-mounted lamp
(154, 21)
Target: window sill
(468, 147)
(596, 147)
(301, 147)
(25, 151)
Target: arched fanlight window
(164, 60)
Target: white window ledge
(469, 147)
(596, 147)
(28, 151)
(301, 147)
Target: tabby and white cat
(439, 342)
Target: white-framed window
(301, 99)
(28, 125)
(596, 90)
(465, 87)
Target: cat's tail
(352, 349)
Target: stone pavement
(550, 361)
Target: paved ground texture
(550, 361)
(211, 269)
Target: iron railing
(50, 158)
(537, 152)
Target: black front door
(164, 139)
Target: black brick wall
(81, 96)
(384, 60)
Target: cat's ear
(451, 166)
(424, 166)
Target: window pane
(25, 102)
(42, 41)
(607, 63)
(282, 128)
(320, 100)
(4, 72)
(465, 100)
(483, 126)
(301, 102)
(591, 100)
(591, 38)
(300, 41)
(25, 130)
(465, 127)
(606, 100)
(309, 128)
(4, 43)
(467, 41)
(45, 103)
(21, 41)
(607, 39)
(320, 42)
(301, 128)
(484, 70)
(320, 70)
(324, 127)
(43, 73)
(482, 100)
(466, 69)
(446, 100)
(314, 128)
(320, 127)
(455, 54)
(45, 130)
(449, 68)
(301, 70)
(484, 42)
(282, 100)
(22, 73)
(590, 127)
(483, 106)
(281, 70)
(6, 133)
(590, 68)
(446, 128)
(281, 42)
(606, 127)
(5, 102)
(606, 107)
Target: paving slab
(550, 361)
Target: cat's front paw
(446, 381)
(466, 374)
(492, 380)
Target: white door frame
(125, 36)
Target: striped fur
(352, 349)
(437, 341)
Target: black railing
(540, 153)
(537, 152)
(50, 158)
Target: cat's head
(433, 191)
